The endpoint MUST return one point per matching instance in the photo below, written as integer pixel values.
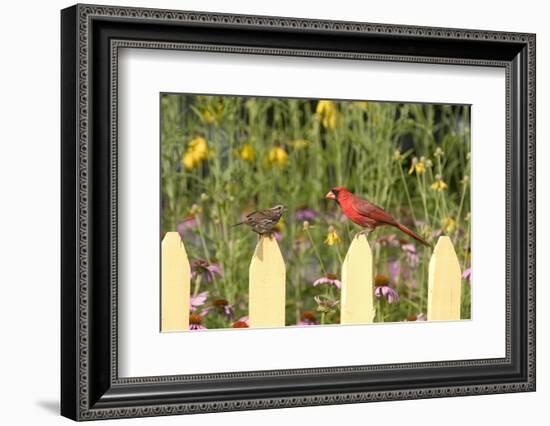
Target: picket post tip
(444, 282)
(267, 282)
(357, 296)
(175, 284)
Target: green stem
(461, 205)
(406, 191)
(421, 185)
(316, 252)
(203, 241)
(197, 286)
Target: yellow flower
(332, 236)
(247, 153)
(189, 161)
(278, 156)
(212, 113)
(300, 143)
(439, 185)
(417, 166)
(208, 116)
(196, 152)
(449, 224)
(326, 110)
(199, 146)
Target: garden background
(225, 156)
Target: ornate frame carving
(91, 388)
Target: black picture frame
(90, 386)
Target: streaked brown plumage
(264, 221)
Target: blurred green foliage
(224, 156)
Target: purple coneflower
(437, 233)
(187, 224)
(198, 300)
(277, 231)
(222, 306)
(394, 267)
(413, 317)
(307, 318)
(410, 253)
(241, 323)
(305, 214)
(389, 293)
(195, 322)
(467, 274)
(205, 270)
(384, 290)
(330, 279)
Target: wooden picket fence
(267, 282)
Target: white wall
(29, 210)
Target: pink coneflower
(437, 233)
(330, 279)
(242, 322)
(198, 300)
(389, 293)
(277, 231)
(414, 317)
(307, 318)
(394, 268)
(187, 224)
(305, 214)
(221, 306)
(411, 255)
(467, 274)
(384, 290)
(195, 322)
(207, 271)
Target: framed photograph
(263, 212)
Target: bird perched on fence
(264, 221)
(366, 214)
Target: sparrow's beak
(330, 195)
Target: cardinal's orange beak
(330, 195)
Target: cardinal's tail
(412, 234)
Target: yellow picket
(357, 284)
(267, 280)
(444, 282)
(175, 287)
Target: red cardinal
(366, 214)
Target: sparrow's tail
(412, 234)
(240, 223)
